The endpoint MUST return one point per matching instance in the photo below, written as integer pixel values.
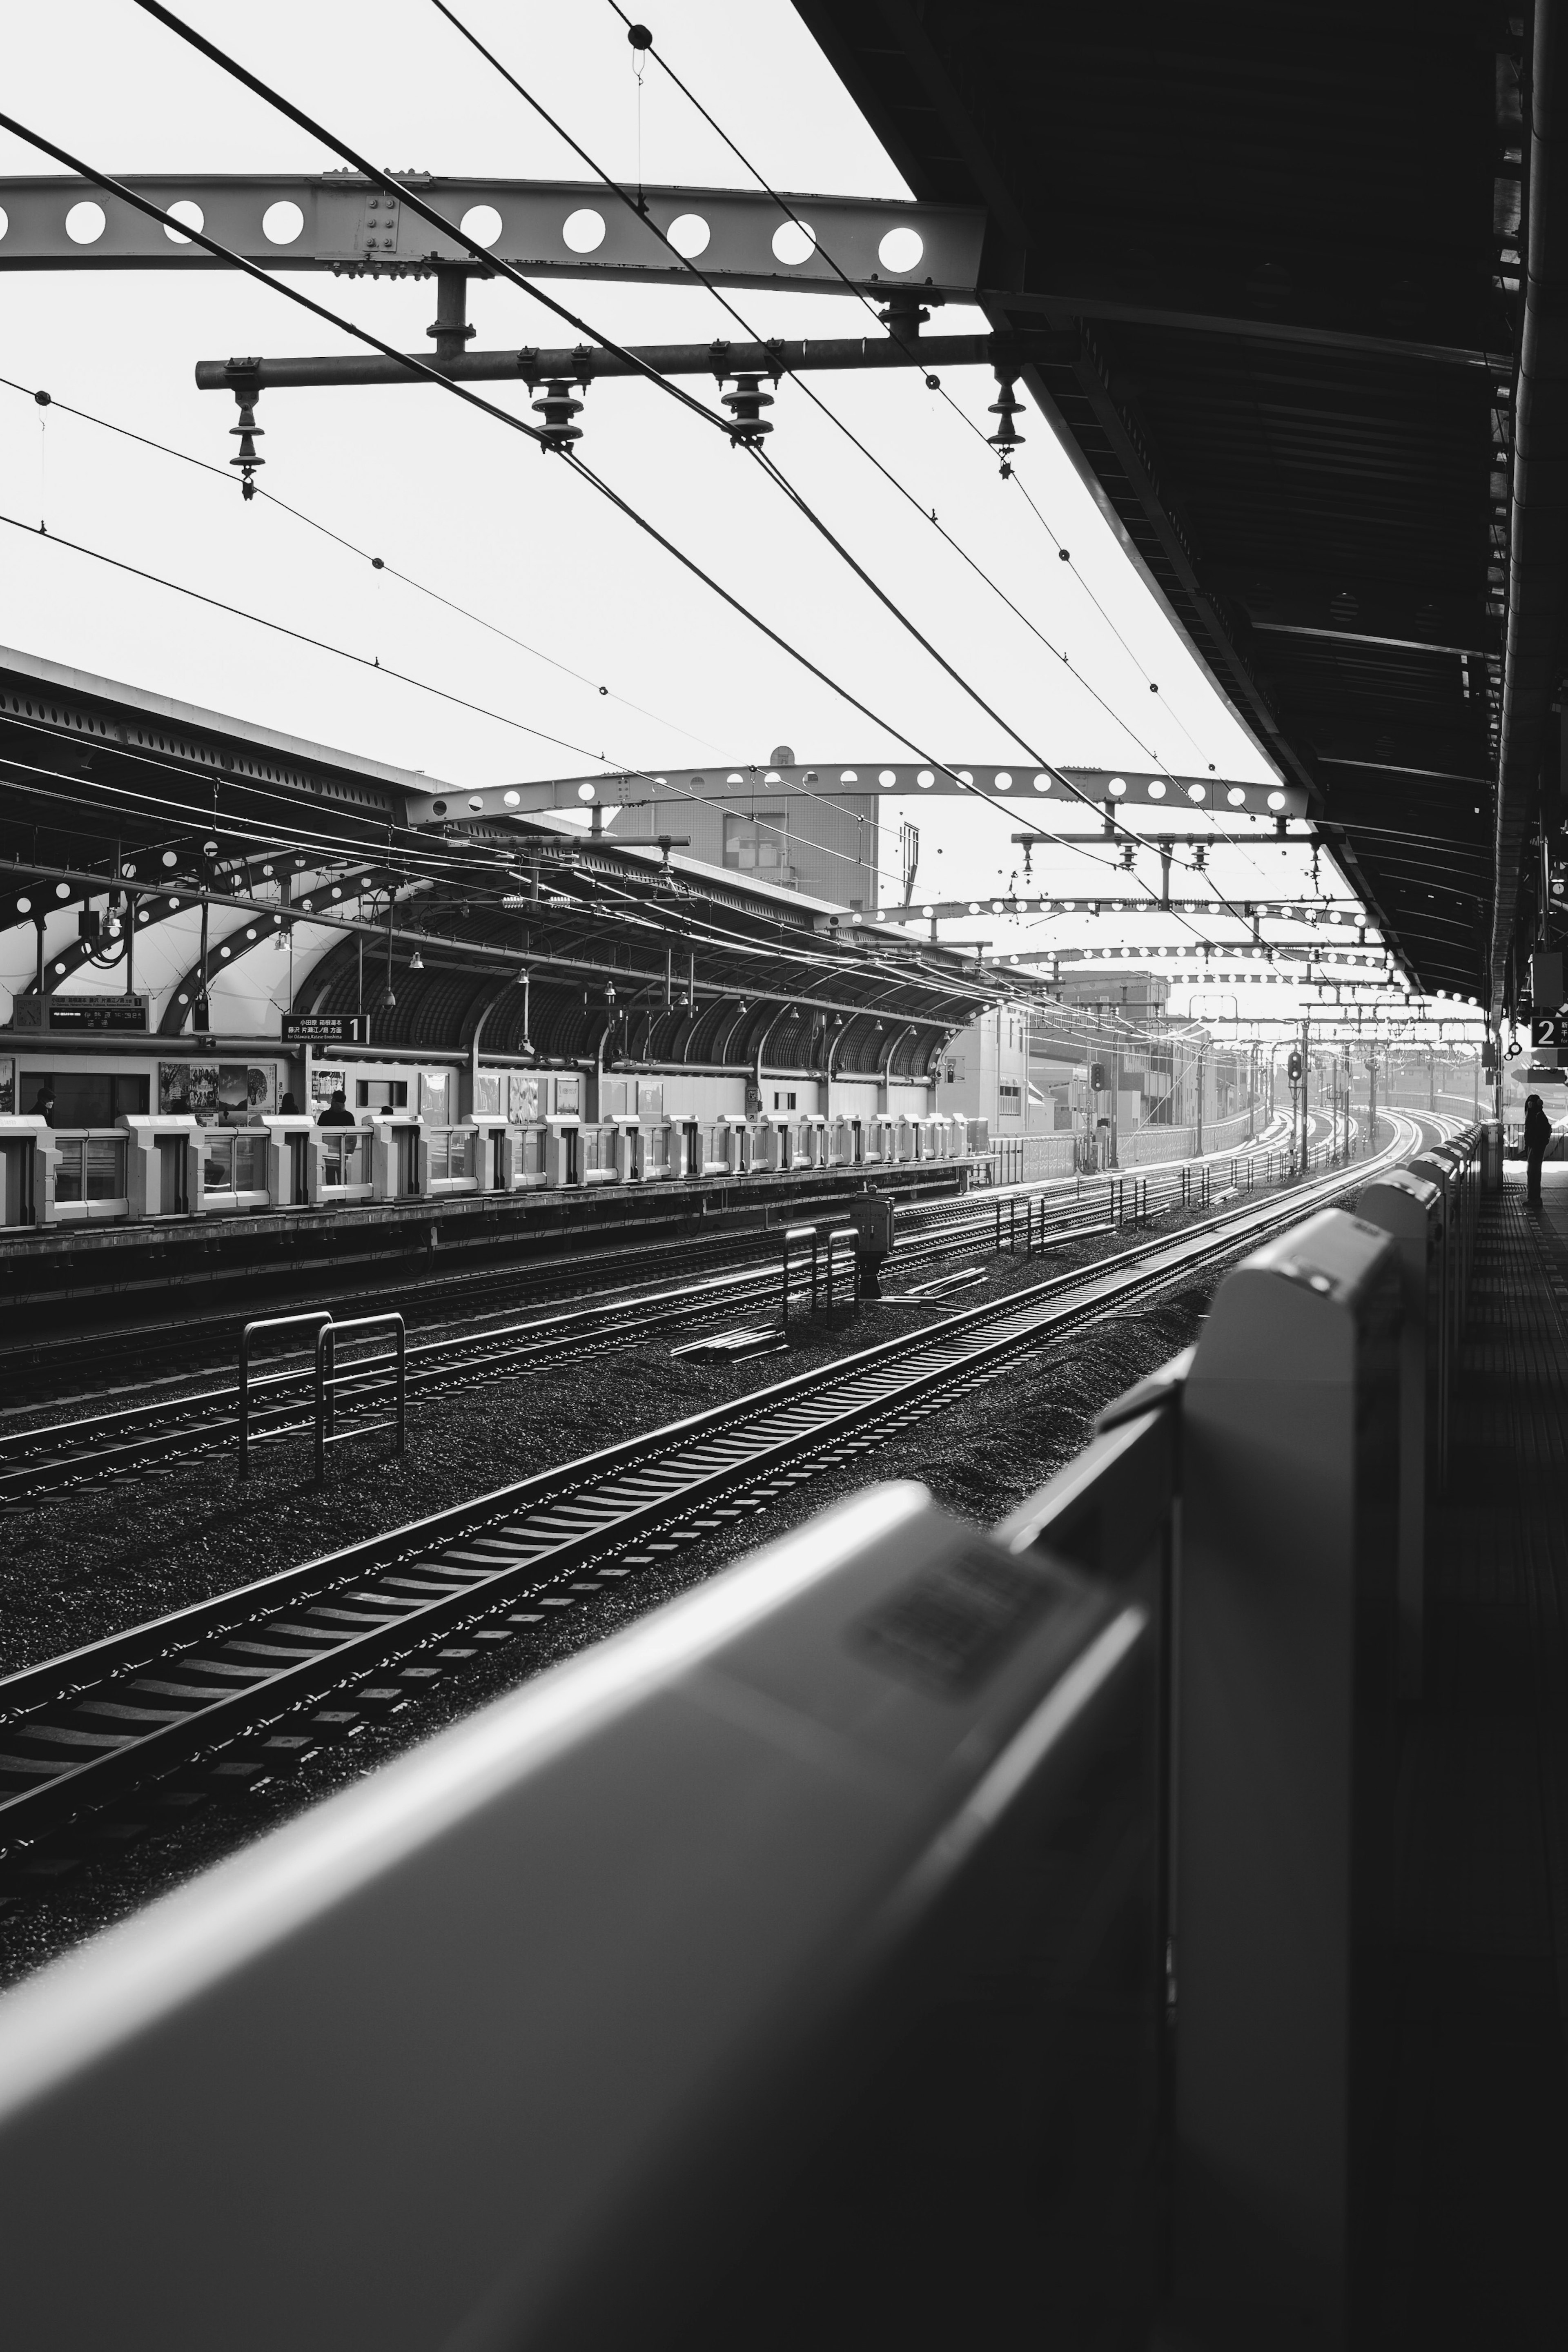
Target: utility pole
(1371, 1096)
(1115, 1093)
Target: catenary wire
(393, 187)
(421, 370)
(416, 204)
(693, 268)
(964, 419)
(313, 522)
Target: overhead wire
(416, 204)
(48, 400)
(688, 263)
(859, 293)
(387, 181)
(420, 865)
(570, 456)
(423, 370)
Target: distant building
(984, 1071)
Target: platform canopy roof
(144, 810)
(1288, 243)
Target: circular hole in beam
(192, 217)
(583, 230)
(795, 242)
(482, 222)
(85, 222)
(282, 223)
(689, 234)
(901, 250)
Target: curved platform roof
(152, 811)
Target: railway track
(131, 1442)
(256, 1678)
(140, 1350)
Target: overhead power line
(694, 270)
(911, 352)
(420, 369)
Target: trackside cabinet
(1410, 1210)
(1283, 1777)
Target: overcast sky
(475, 512)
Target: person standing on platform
(337, 1113)
(1537, 1135)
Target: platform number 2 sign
(1550, 1028)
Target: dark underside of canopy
(1286, 239)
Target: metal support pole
(323, 1398)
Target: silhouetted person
(337, 1113)
(289, 1107)
(44, 1108)
(1537, 1135)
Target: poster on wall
(486, 1094)
(7, 1085)
(568, 1096)
(326, 1078)
(436, 1097)
(525, 1098)
(219, 1094)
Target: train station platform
(1477, 2253)
(98, 1274)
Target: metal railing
(365, 1378)
(246, 1339)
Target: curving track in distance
(79, 1731)
(122, 1443)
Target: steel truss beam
(547, 229)
(1021, 784)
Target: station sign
(94, 1013)
(1549, 1029)
(324, 1029)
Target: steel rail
(76, 1731)
(61, 1455)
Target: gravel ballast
(78, 1569)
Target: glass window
(250, 1163)
(381, 1094)
(69, 1173)
(346, 1158)
(218, 1163)
(533, 1151)
(105, 1163)
(655, 1148)
(757, 844)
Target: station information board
(323, 1029)
(97, 1013)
